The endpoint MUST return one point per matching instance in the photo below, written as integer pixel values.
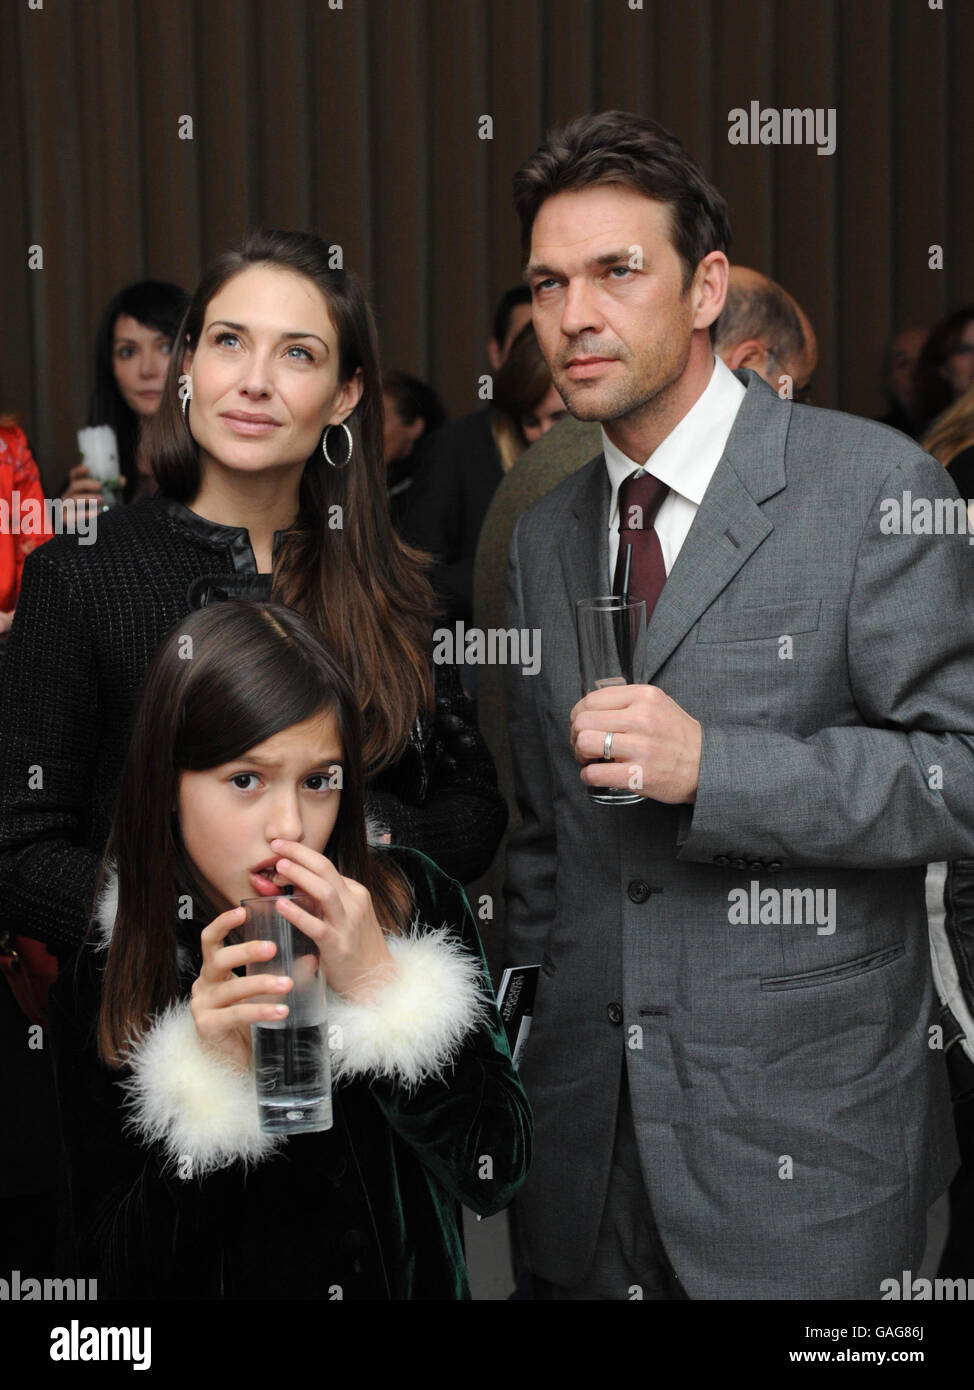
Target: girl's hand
(352, 944)
(6, 621)
(222, 1020)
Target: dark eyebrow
(242, 328)
(328, 759)
(606, 258)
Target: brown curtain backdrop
(363, 123)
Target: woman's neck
(261, 502)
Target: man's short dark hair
(623, 148)
(765, 312)
(508, 301)
(414, 400)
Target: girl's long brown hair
(362, 587)
(225, 679)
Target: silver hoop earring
(324, 446)
(185, 394)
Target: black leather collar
(236, 539)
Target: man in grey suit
(733, 1060)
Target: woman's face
(265, 373)
(287, 787)
(140, 359)
(548, 411)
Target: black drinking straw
(626, 571)
(623, 633)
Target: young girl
(229, 792)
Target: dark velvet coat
(366, 1210)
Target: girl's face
(287, 787)
(140, 359)
(265, 373)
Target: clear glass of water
(291, 1058)
(611, 651)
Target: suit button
(615, 1013)
(722, 860)
(774, 865)
(756, 865)
(639, 890)
(739, 864)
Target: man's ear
(709, 288)
(495, 354)
(750, 352)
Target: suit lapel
(729, 524)
(584, 557)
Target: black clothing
(961, 469)
(458, 471)
(88, 622)
(898, 419)
(365, 1210)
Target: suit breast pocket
(754, 624)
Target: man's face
(609, 310)
(904, 353)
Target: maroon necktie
(640, 498)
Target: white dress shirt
(685, 461)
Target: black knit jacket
(88, 620)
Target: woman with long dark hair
(267, 447)
(231, 790)
(132, 349)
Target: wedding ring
(607, 749)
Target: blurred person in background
(410, 411)
(945, 367)
(453, 494)
(900, 381)
(132, 349)
(18, 475)
(951, 441)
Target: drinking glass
(291, 1058)
(611, 651)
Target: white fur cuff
(414, 1026)
(196, 1103)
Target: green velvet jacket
(173, 1199)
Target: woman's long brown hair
(225, 679)
(362, 587)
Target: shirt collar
(687, 458)
(234, 538)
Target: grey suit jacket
(790, 1105)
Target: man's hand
(655, 744)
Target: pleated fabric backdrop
(362, 120)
